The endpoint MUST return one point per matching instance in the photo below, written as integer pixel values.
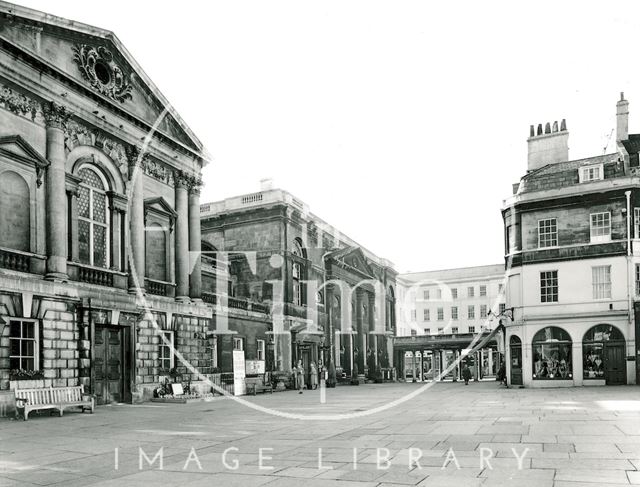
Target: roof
(565, 174)
(470, 273)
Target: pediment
(16, 148)
(161, 206)
(96, 60)
(354, 258)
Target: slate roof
(565, 174)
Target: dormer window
(591, 173)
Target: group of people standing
(300, 373)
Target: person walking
(300, 376)
(313, 377)
(466, 374)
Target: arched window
(602, 350)
(15, 212)
(298, 272)
(93, 218)
(552, 354)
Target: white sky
(403, 124)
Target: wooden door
(109, 376)
(614, 364)
(516, 364)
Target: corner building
(98, 213)
(572, 245)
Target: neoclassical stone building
(328, 297)
(99, 210)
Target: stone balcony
(17, 260)
(97, 275)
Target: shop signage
(239, 386)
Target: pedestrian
(313, 377)
(466, 374)
(502, 374)
(300, 376)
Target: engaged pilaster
(56, 116)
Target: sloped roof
(564, 174)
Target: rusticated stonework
(101, 71)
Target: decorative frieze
(158, 171)
(76, 134)
(98, 67)
(19, 104)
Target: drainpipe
(630, 273)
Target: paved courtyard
(560, 437)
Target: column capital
(196, 186)
(183, 179)
(55, 116)
(135, 157)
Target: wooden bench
(258, 384)
(59, 398)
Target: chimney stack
(548, 147)
(622, 119)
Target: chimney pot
(547, 128)
(622, 118)
(555, 127)
(532, 132)
(539, 129)
(563, 125)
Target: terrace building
(572, 253)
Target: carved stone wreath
(98, 67)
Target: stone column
(56, 117)
(72, 200)
(195, 242)
(183, 182)
(360, 341)
(136, 241)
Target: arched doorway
(515, 347)
(603, 354)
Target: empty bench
(59, 398)
(258, 384)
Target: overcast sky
(403, 124)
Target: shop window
(23, 345)
(165, 350)
(260, 350)
(594, 345)
(551, 348)
(93, 218)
